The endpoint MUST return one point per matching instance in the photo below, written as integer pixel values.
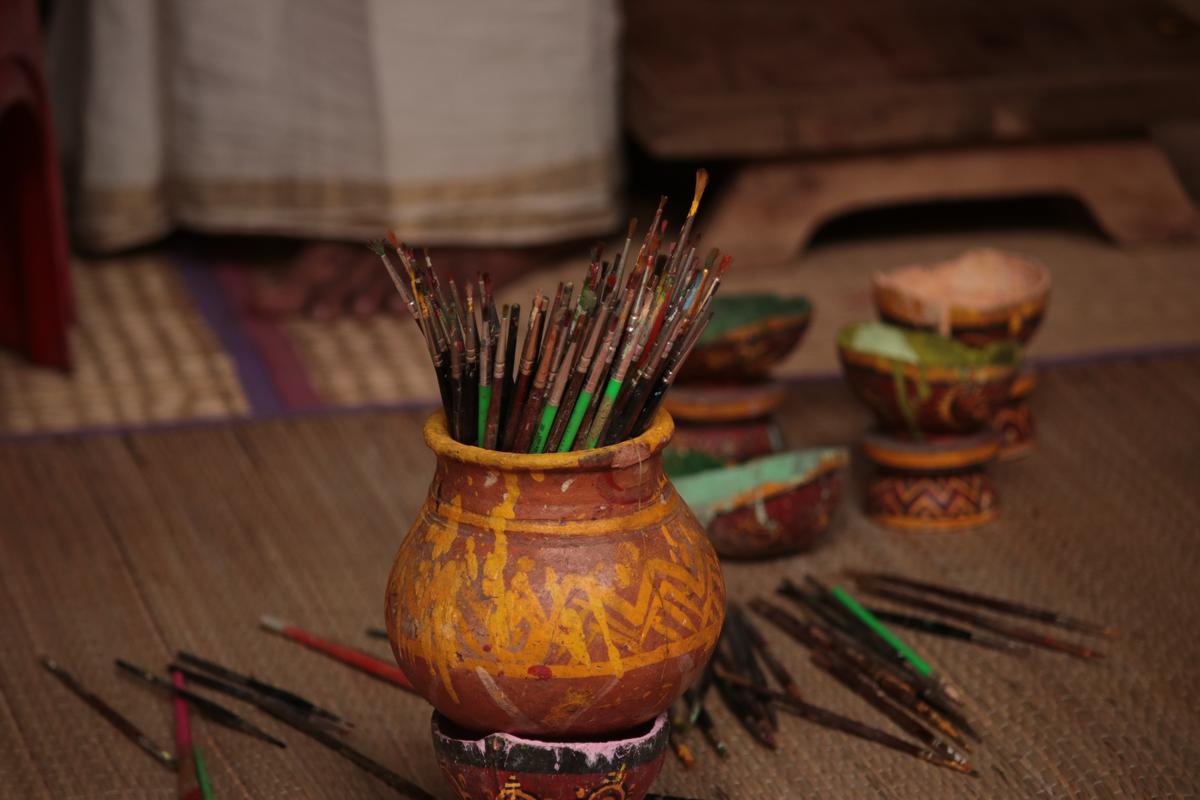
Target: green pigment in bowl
(737, 310)
(923, 348)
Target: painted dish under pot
(748, 335)
(983, 296)
(924, 383)
(769, 506)
(501, 765)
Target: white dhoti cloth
(452, 122)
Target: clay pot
(956, 393)
(562, 594)
(981, 297)
(501, 766)
(748, 335)
(939, 485)
(770, 506)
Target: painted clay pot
(924, 383)
(938, 485)
(769, 506)
(729, 442)
(501, 766)
(730, 422)
(564, 594)
(981, 297)
(747, 336)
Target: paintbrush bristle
(701, 183)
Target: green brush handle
(543, 429)
(202, 773)
(577, 413)
(604, 411)
(485, 399)
(868, 619)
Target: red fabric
(35, 287)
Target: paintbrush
(114, 717)
(992, 603)
(300, 704)
(529, 359)
(948, 631)
(205, 707)
(363, 662)
(470, 433)
(1027, 635)
(499, 370)
(192, 775)
(558, 434)
(558, 378)
(555, 340)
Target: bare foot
(316, 265)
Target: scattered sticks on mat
(309, 726)
(591, 370)
(851, 643)
(992, 603)
(205, 707)
(298, 703)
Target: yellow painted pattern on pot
(561, 593)
(673, 598)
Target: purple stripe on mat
(274, 348)
(222, 318)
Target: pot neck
(557, 495)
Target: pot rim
(622, 454)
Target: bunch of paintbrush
(742, 683)
(591, 369)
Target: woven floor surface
(137, 544)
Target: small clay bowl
(502, 765)
(747, 336)
(925, 383)
(769, 506)
(981, 297)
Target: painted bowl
(770, 506)
(925, 383)
(502, 766)
(748, 335)
(981, 297)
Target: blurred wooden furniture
(917, 100)
(35, 293)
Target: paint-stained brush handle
(347, 655)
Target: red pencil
(347, 655)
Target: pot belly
(540, 629)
